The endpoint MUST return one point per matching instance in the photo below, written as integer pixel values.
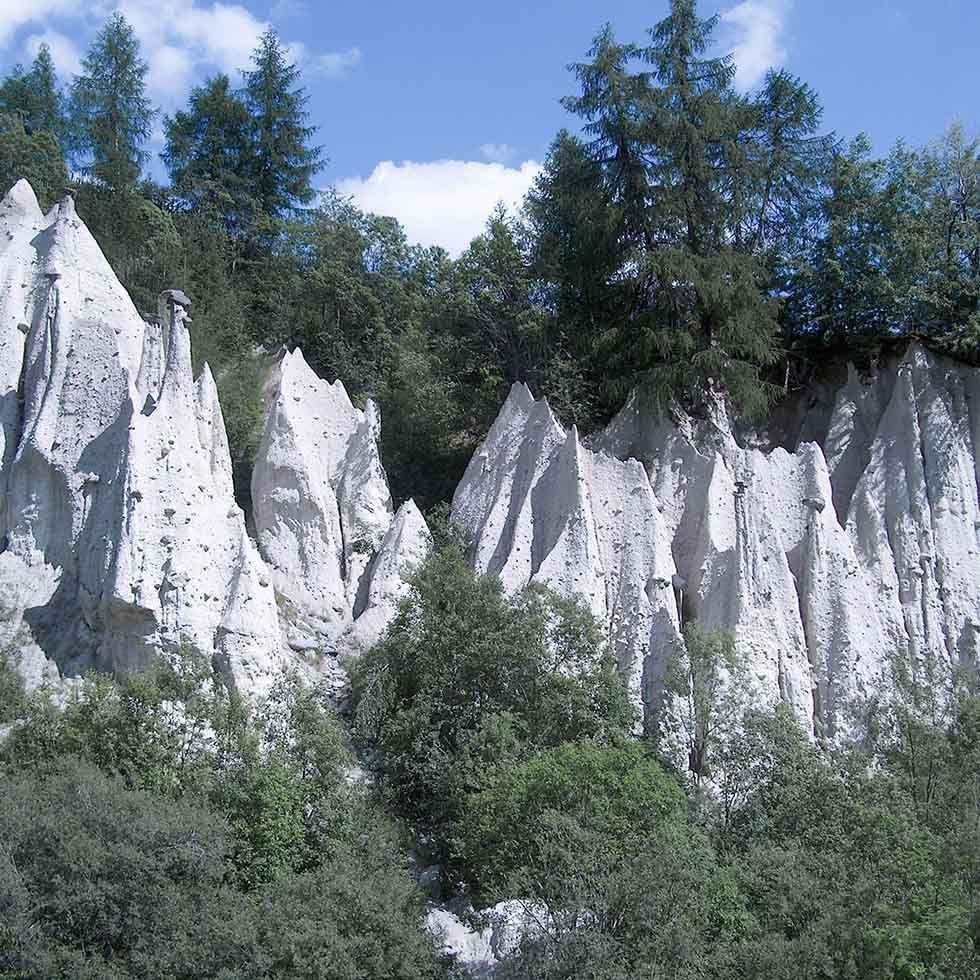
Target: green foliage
(468, 678)
(708, 676)
(208, 152)
(357, 917)
(99, 880)
(13, 697)
(281, 163)
(700, 186)
(33, 156)
(669, 910)
(806, 828)
(110, 113)
(137, 236)
(159, 827)
(543, 821)
(35, 97)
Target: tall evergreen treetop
(111, 114)
(283, 161)
(701, 181)
(209, 151)
(35, 96)
(612, 103)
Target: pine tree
(710, 323)
(283, 162)
(612, 102)
(677, 145)
(35, 96)
(111, 114)
(209, 152)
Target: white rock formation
(323, 513)
(116, 479)
(479, 952)
(824, 562)
(540, 507)
(120, 539)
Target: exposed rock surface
(479, 951)
(855, 540)
(119, 532)
(824, 562)
(541, 507)
(323, 513)
(116, 478)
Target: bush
(468, 678)
(98, 880)
(34, 156)
(561, 815)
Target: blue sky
(435, 110)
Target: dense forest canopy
(680, 232)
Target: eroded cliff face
(339, 554)
(121, 535)
(825, 563)
(121, 540)
(854, 542)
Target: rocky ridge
(120, 538)
(827, 551)
(825, 562)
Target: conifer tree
(681, 157)
(34, 156)
(282, 162)
(35, 96)
(710, 321)
(110, 112)
(209, 151)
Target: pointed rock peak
(294, 370)
(293, 364)
(66, 207)
(372, 418)
(519, 396)
(572, 454)
(573, 445)
(541, 414)
(409, 516)
(918, 357)
(20, 200)
(207, 390)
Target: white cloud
(171, 71)
(757, 29)
(66, 54)
(15, 14)
(181, 40)
(497, 152)
(335, 64)
(442, 202)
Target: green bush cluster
(497, 734)
(157, 827)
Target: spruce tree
(282, 162)
(110, 112)
(683, 159)
(710, 323)
(209, 152)
(612, 103)
(35, 96)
